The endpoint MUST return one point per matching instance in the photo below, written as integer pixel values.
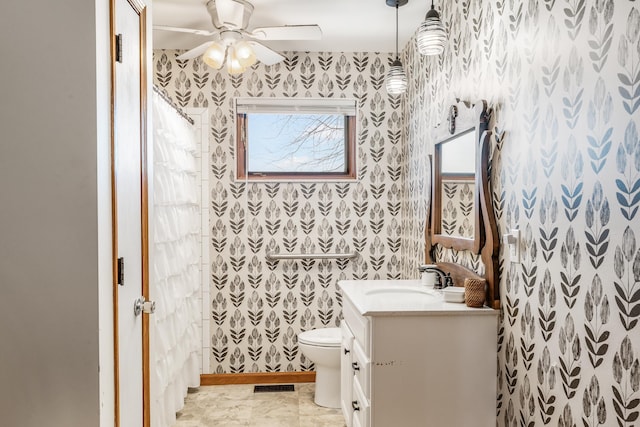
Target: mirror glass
(459, 154)
(457, 182)
(461, 218)
(455, 200)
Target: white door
(130, 220)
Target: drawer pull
(355, 366)
(347, 351)
(355, 406)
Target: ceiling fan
(233, 43)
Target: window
(295, 139)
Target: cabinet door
(346, 374)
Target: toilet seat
(322, 337)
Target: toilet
(322, 347)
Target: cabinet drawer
(347, 337)
(346, 373)
(355, 423)
(360, 406)
(361, 366)
(358, 324)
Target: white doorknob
(143, 306)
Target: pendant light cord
(397, 57)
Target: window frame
(295, 106)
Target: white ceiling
(347, 25)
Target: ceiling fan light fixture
(245, 54)
(233, 64)
(431, 35)
(231, 21)
(214, 56)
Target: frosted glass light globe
(214, 56)
(245, 54)
(233, 64)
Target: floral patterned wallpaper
(563, 77)
(458, 210)
(258, 307)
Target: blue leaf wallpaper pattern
(563, 78)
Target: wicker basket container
(474, 292)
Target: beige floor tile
(275, 406)
(226, 422)
(188, 423)
(275, 422)
(322, 421)
(306, 387)
(308, 408)
(238, 405)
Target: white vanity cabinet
(415, 361)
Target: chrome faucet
(442, 279)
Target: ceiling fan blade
(195, 52)
(185, 30)
(288, 32)
(264, 54)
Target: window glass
(283, 143)
(296, 139)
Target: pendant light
(396, 80)
(431, 34)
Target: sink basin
(401, 291)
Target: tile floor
(238, 405)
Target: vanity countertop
(402, 298)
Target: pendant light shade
(431, 35)
(396, 79)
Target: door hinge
(121, 271)
(119, 48)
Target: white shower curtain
(175, 281)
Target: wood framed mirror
(461, 216)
